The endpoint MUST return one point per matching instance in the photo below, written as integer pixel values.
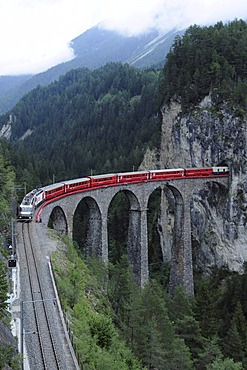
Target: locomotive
(54, 191)
(26, 209)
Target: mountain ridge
(93, 49)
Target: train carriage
(76, 184)
(53, 191)
(130, 177)
(102, 180)
(198, 172)
(166, 174)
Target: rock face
(211, 135)
(6, 129)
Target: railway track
(42, 333)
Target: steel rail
(49, 355)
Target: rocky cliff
(209, 135)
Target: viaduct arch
(60, 214)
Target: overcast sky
(35, 34)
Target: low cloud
(35, 34)
(179, 14)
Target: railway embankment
(24, 301)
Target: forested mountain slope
(89, 121)
(208, 60)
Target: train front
(25, 212)
(26, 208)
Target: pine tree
(226, 364)
(206, 308)
(155, 340)
(181, 312)
(211, 352)
(241, 323)
(235, 342)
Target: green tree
(235, 342)
(122, 292)
(206, 309)
(211, 352)
(7, 177)
(102, 330)
(3, 290)
(226, 364)
(181, 311)
(9, 358)
(155, 339)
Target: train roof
(216, 167)
(198, 168)
(52, 186)
(167, 170)
(68, 182)
(102, 176)
(132, 173)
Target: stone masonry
(60, 214)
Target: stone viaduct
(60, 214)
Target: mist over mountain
(97, 46)
(93, 49)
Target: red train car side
(130, 177)
(76, 184)
(102, 180)
(166, 174)
(198, 172)
(53, 191)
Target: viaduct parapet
(60, 214)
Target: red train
(54, 191)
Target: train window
(104, 179)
